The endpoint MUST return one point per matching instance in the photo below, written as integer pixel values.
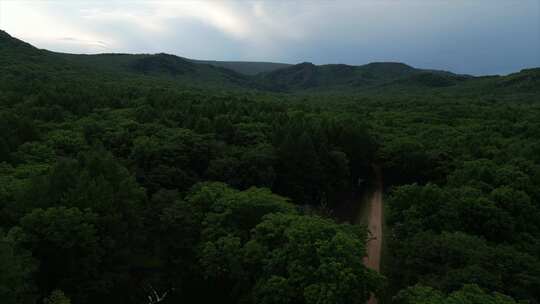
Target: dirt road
(374, 245)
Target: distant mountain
(434, 79)
(6, 41)
(20, 60)
(245, 67)
(166, 66)
(155, 67)
(528, 79)
(305, 76)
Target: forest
(152, 179)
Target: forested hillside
(246, 67)
(261, 77)
(124, 177)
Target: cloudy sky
(463, 36)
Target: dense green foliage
(130, 178)
(472, 216)
(246, 67)
(469, 294)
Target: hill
(262, 76)
(170, 67)
(166, 68)
(245, 67)
(307, 76)
(528, 79)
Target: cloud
(43, 25)
(94, 43)
(137, 19)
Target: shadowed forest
(158, 179)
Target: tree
(448, 260)
(313, 260)
(57, 297)
(17, 266)
(299, 172)
(65, 241)
(468, 294)
(253, 242)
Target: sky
(477, 37)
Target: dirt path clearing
(374, 245)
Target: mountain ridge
(275, 77)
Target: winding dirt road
(374, 245)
